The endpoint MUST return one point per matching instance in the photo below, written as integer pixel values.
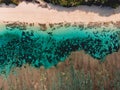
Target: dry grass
(78, 72)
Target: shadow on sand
(102, 11)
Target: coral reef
(49, 47)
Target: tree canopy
(69, 3)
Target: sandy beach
(55, 14)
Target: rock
(117, 24)
(14, 25)
(42, 26)
(94, 24)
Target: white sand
(55, 14)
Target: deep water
(48, 48)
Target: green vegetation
(16, 2)
(69, 3)
(7, 2)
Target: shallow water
(48, 48)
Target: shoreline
(31, 13)
(24, 25)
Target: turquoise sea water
(48, 48)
